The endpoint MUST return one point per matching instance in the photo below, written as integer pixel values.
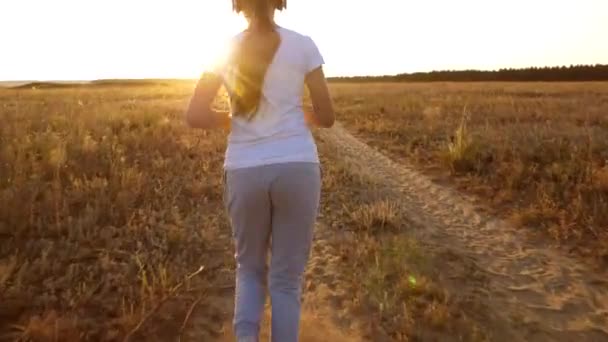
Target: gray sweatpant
(271, 208)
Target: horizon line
(329, 77)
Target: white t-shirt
(278, 133)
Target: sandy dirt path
(323, 317)
(518, 290)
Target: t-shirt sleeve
(314, 57)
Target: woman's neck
(255, 25)
(262, 22)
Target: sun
(206, 41)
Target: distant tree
(598, 72)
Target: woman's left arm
(199, 113)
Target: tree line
(598, 72)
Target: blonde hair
(254, 54)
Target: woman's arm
(199, 113)
(323, 114)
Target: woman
(273, 181)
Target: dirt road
(518, 290)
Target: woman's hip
(293, 182)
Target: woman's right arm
(323, 114)
(199, 113)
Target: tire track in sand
(517, 290)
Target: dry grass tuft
(377, 217)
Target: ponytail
(254, 55)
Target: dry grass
(106, 203)
(535, 152)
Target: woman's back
(273, 177)
(278, 132)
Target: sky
(93, 39)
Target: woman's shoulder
(293, 35)
(285, 33)
(296, 37)
(288, 32)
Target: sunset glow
(72, 39)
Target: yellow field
(537, 153)
(110, 206)
(107, 202)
